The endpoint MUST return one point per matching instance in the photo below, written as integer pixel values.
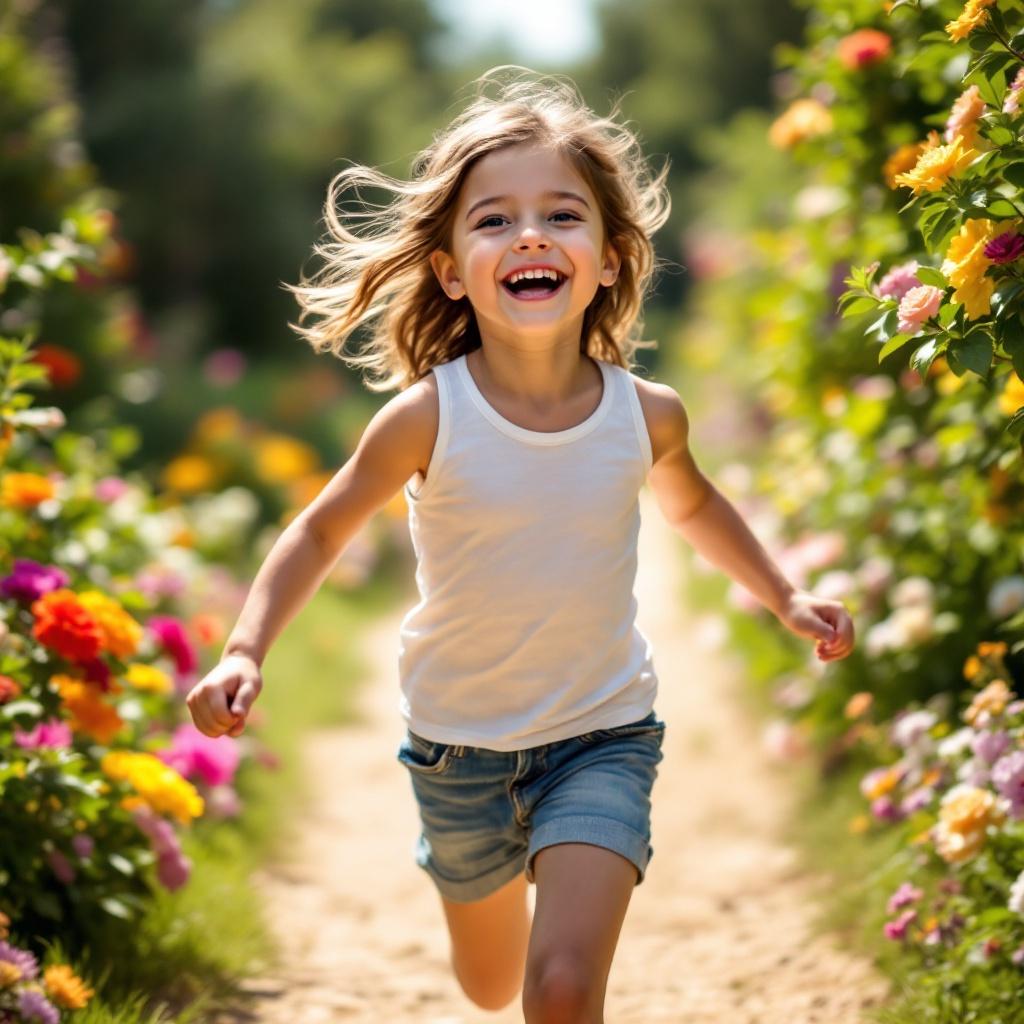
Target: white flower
(912, 625)
(914, 590)
(909, 728)
(1016, 903)
(1006, 597)
(835, 584)
(956, 743)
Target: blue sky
(541, 30)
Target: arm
(388, 454)
(695, 508)
(398, 440)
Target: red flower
(9, 689)
(63, 366)
(863, 47)
(63, 624)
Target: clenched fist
(220, 701)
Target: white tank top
(526, 547)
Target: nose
(530, 237)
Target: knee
(488, 989)
(561, 992)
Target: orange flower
(992, 648)
(993, 700)
(9, 689)
(859, 704)
(65, 625)
(972, 666)
(900, 161)
(966, 813)
(88, 712)
(65, 988)
(803, 119)
(62, 365)
(974, 14)
(25, 490)
(121, 633)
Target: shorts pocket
(651, 725)
(425, 756)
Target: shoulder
(664, 414)
(408, 423)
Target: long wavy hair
(383, 274)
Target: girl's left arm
(695, 508)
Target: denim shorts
(486, 813)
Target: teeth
(530, 274)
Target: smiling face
(520, 207)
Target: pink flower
(83, 845)
(172, 870)
(898, 929)
(53, 733)
(990, 746)
(903, 897)
(969, 106)
(110, 488)
(884, 809)
(917, 306)
(214, 759)
(1012, 101)
(898, 281)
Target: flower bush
(873, 321)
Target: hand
(220, 701)
(820, 619)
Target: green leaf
(979, 42)
(863, 304)
(1004, 295)
(1002, 208)
(896, 342)
(116, 908)
(923, 358)
(932, 275)
(1014, 174)
(1015, 427)
(972, 353)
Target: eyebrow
(553, 194)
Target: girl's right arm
(398, 440)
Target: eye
(565, 213)
(493, 216)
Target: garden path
(720, 930)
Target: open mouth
(533, 285)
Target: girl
(508, 276)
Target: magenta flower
(53, 733)
(885, 810)
(898, 281)
(214, 759)
(224, 366)
(172, 870)
(61, 867)
(83, 845)
(898, 929)
(30, 580)
(170, 632)
(1011, 103)
(903, 897)
(917, 799)
(1004, 248)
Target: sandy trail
(720, 930)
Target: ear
(447, 274)
(610, 267)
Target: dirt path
(719, 931)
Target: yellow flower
(148, 677)
(25, 490)
(885, 783)
(281, 459)
(9, 974)
(859, 824)
(803, 119)
(121, 633)
(219, 424)
(965, 814)
(992, 699)
(163, 789)
(974, 14)
(936, 165)
(189, 474)
(65, 988)
(965, 264)
(972, 666)
(900, 161)
(1011, 398)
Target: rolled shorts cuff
(469, 889)
(607, 832)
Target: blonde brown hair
(384, 273)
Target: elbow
(695, 507)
